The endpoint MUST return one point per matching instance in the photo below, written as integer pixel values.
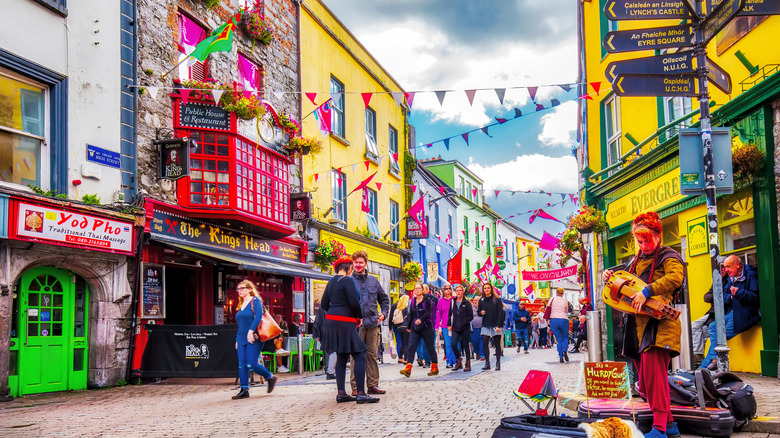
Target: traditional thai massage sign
(606, 380)
(185, 230)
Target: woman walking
(559, 322)
(459, 325)
(340, 301)
(248, 317)
(420, 327)
(476, 331)
(535, 331)
(543, 341)
(492, 310)
(399, 312)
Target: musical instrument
(619, 289)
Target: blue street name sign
(646, 10)
(648, 39)
(655, 85)
(103, 156)
(664, 64)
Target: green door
(51, 335)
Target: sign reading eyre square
(648, 39)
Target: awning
(248, 263)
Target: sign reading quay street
(648, 39)
(655, 85)
(664, 64)
(646, 10)
(720, 17)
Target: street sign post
(655, 85)
(719, 77)
(664, 64)
(648, 39)
(637, 10)
(715, 21)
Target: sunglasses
(243, 287)
(447, 288)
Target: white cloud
(559, 127)
(530, 172)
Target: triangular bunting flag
(555, 102)
(563, 196)
(353, 167)
(409, 98)
(500, 120)
(518, 113)
(395, 157)
(539, 107)
(532, 92)
(441, 190)
(413, 187)
(217, 95)
(397, 97)
(447, 143)
(316, 177)
(397, 187)
(586, 96)
(497, 192)
(485, 130)
(185, 95)
(378, 186)
(153, 92)
(572, 197)
(312, 97)
(279, 94)
(596, 87)
(470, 95)
(440, 95)
(367, 98)
(429, 145)
(500, 92)
(367, 163)
(474, 192)
(566, 87)
(465, 136)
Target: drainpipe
(140, 242)
(300, 95)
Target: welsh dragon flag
(221, 40)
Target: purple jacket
(442, 313)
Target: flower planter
(305, 150)
(585, 230)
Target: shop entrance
(49, 333)
(181, 289)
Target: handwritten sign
(153, 297)
(204, 116)
(35, 223)
(605, 379)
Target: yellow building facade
(366, 139)
(630, 164)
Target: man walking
(371, 295)
(522, 320)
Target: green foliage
(90, 199)
(141, 90)
(410, 164)
(211, 4)
(569, 245)
(149, 72)
(40, 191)
(746, 159)
(247, 108)
(588, 218)
(62, 196)
(257, 27)
(411, 272)
(328, 252)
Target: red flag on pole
(418, 214)
(363, 184)
(454, 268)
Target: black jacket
(460, 316)
(422, 311)
(519, 314)
(494, 312)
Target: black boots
(487, 364)
(566, 356)
(458, 365)
(244, 393)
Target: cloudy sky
(458, 45)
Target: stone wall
(157, 53)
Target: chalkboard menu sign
(204, 116)
(153, 293)
(606, 380)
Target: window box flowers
(327, 253)
(288, 124)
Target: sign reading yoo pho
(34, 222)
(605, 380)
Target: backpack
(398, 317)
(723, 390)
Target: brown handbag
(268, 328)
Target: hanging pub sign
(174, 158)
(153, 292)
(300, 206)
(413, 230)
(499, 252)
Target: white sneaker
(282, 351)
(283, 369)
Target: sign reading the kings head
(189, 231)
(204, 116)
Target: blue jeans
(422, 352)
(399, 344)
(476, 342)
(522, 338)
(560, 328)
(247, 358)
(448, 346)
(711, 354)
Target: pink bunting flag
(185, 95)
(413, 187)
(483, 228)
(470, 95)
(365, 207)
(463, 231)
(367, 98)
(409, 98)
(395, 157)
(367, 163)
(378, 186)
(247, 93)
(497, 192)
(429, 145)
(539, 107)
(441, 190)
(465, 137)
(312, 97)
(586, 96)
(474, 192)
(532, 92)
(596, 87)
(548, 241)
(481, 243)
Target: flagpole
(396, 225)
(315, 109)
(177, 65)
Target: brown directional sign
(718, 77)
(715, 21)
(655, 85)
(761, 7)
(646, 10)
(664, 64)
(648, 39)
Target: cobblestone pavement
(454, 404)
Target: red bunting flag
(316, 177)
(395, 157)
(470, 95)
(312, 97)
(367, 98)
(378, 186)
(185, 95)
(497, 192)
(367, 163)
(596, 87)
(364, 206)
(500, 120)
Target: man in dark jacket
(741, 293)
(371, 296)
(522, 321)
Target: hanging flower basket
(247, 108)
(588, 219)
(412, 272)
(746, 159)
(288, 124)
(327, 253)
(569, 244)
(257, 27)
(304, 145)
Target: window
(735, 30)
(371, 150)
(248, 74)
(466, 230)
(23, 131)
(737, 226)
(612, 121)
(338, 183)
(468, 268)
(392, 142)
(462, 185)
(476, 231)
(394, 221)
(436, 220)
(337, 107)
(449, 226)
(371, 216)
(487, 241)
(190, 34)
(674, 108)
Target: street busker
(421, 328)
(654, 342)
(493, 315)
(559, 322)
(248, 317)
(522, 320)
(440, 323)
(344, 314)
(459, 325)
